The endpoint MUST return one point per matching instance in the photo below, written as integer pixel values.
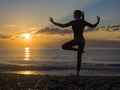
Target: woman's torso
(78, 28)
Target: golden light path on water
(26, 72)
(27, 58)
(27, 54)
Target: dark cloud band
(59, 31)
(4, 37)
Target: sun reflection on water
(25, 72)
(27, 54)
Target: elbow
(62, 26)
(95, 25)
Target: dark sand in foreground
(52, 82)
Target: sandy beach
(52, 82)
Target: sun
(27, 36)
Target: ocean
(95, 61)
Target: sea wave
(85, 66)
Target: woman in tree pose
(78, 25)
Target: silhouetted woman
(78, 26)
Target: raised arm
(93, 25)
(60, 25)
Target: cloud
(90, 29)
(118, 37)
(48, 30)
(59, 31)
(4, 36)
(32, 28)
(113, 27)
(10, 25)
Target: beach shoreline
(55, 82)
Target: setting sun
(27, 36)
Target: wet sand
(52, 82)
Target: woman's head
(77, 14)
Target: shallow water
(60, 62)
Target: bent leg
(69, 46)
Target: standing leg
(69, 46)
(79, 55)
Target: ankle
(77, 73)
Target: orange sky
(56, 40)
(18, 17)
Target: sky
(18, 17)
